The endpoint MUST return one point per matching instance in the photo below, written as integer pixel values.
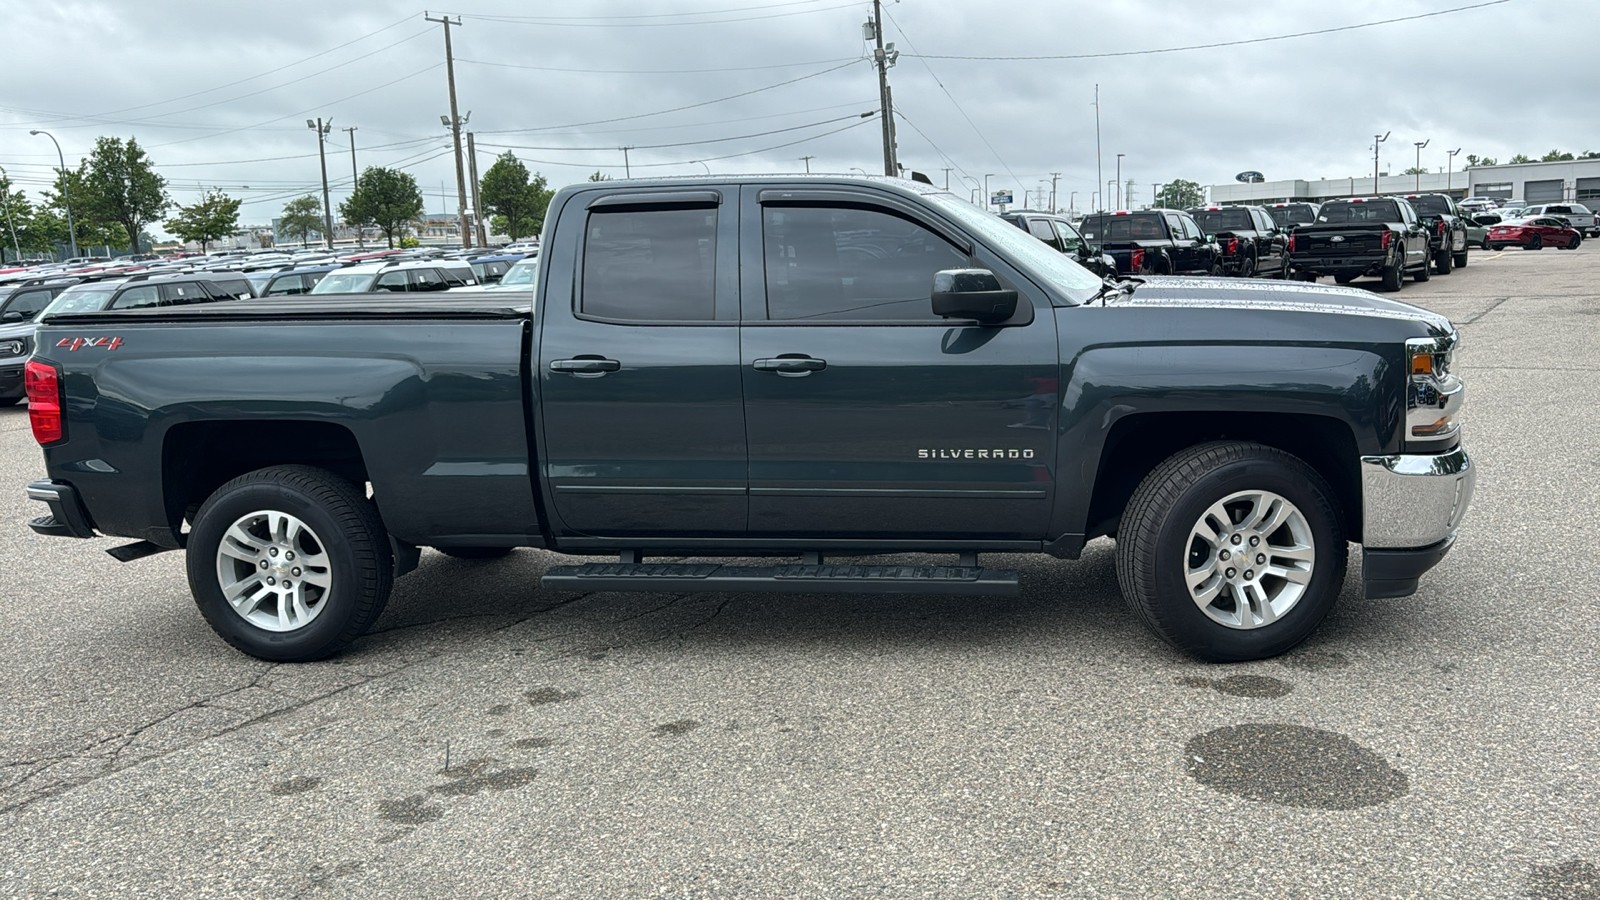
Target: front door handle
(585, 365)
(791, 364)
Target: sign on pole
(997, 198)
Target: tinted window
(28, 303)
(457, 278)
(138, 298)
(233, 288)
(651, 265)
(427, 280)
(391, 281)
(1041, 229)
(187, 292)
(285, 285)
(1070, 242)
(1141, 227)
(1376, 211)
(854, 264)
(1430, 205)
(1214, 220)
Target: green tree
(1474, 160)
(16, 218)
(1556, 156)
(510, 195)
(597, 176)
(91, 228)
(387, 198)
(1589, 154)
(1519, 158)
(213, 218)
(1181, 194)
(122, 187)
(1415, 170)
(300, 217)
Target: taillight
(1136, 262)
(1291, 242)
(1441, 228)
(1233, 246)
(43, 384)
(1383, 242)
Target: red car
(1534, 234)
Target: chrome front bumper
(1411, 501)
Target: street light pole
(1120, 203)
(355, 179)
(1419, 145)
(66, 196)
(322, 154)
(1375, 142)
(1450, 169)
(988, 198)
(455, 124)
(1155, 188)
(805, 159)
(1072, 202)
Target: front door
(868, 416)
(638, 366)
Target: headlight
(1434, 395)
(13, 348)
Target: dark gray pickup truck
(799, 369)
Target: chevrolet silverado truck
(1351, 239)
(765, 379)
(1446, 227)
(1153, 242)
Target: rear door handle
(585, 365)
(791, 364)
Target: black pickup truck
(765, 367)
(1446, 227)
(1153, 242)
(1379, 236)
(1252, 244)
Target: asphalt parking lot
(489, 738)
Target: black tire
(1576, 240)
(9, 401)
(1284, 273)
(1247, 268)
(1394, 276)
(1216, 270)
(1445, 262)
(360, 561)
(1496, 247)
(1536, 242)
(1343, 279)
(1424, 272)
(1487, 245)
(475, 552)
(1461, 258)
(1153, 546)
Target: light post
(1094, 202)
(988, 198)
(1113, 192)
(5, 197)
(1450, 169)
(322, 129)
(66, 196)
(1120, 203)
(1072, 203)
(1419, 145)
(702, 164)
(1155, 192)
(1375, 142)
(858, 169)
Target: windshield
(523, 272)
(343, 283)
(1374, 211)
(90, 300)
(1430, 205)
(1216, 220)
(1034, 255)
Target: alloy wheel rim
(274, 571)
(1249, 559)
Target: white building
(1538, 182)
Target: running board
(790, 579)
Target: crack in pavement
(1492, 307)
(11, 802)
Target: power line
(794, 112)
(706, 12)
(942, 155)
(818, 62)
(736, 137)
(1260, 40)
(557, 23)
(661, 112)
(234, 162)
(690, 162)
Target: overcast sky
(218, 93)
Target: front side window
(457, 278)
(343, 283)
(650, 265)
(188, 292)
(851, 264)
(28, 303)
(138, 298)
(286, 286)
(87, 300)
(1070, 242)
(427, 280)
(391, 281)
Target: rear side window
(286, 285)
(1041, 229)
(394, 280)
(651, 265)
(187, 292)
(427, 280)
(851, 264)
(1070, 242)
(138, 298)
(458, 278)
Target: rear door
(641, 408)
(868, 416)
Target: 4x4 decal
(72, 344)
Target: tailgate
(1337, 243)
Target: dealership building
(1538, 182)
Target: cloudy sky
(218, 93)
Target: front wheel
(1573, 244)
(1231, 551)
(1445, 262)
(289, 563)
(1536, 242)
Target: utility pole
(1155, 187)
(1119, 179)
(355, 180)
(884, 57)
(807, 161)
(1375, 142)
(455, 124)
(1419, 145)
(947, 178)
(1450, 169)
(5, 197)
(322, 155)
(627, 170)
(1099, 173)
(1054, 176)
(477, 205)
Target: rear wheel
(1487, 245)
(1576, 240)
(1216, 270)
(1247, 268)
(1495, 247)
(1231, 551)
(1461, 258)
(1444, 261)
(1394, 274)
(1424, 272)
(289, 563)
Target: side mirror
(11, 315)
(972, 294)
(1211, 239)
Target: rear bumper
(1353, 266)
(1411, 507)
(11, 380)
(67, 516)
